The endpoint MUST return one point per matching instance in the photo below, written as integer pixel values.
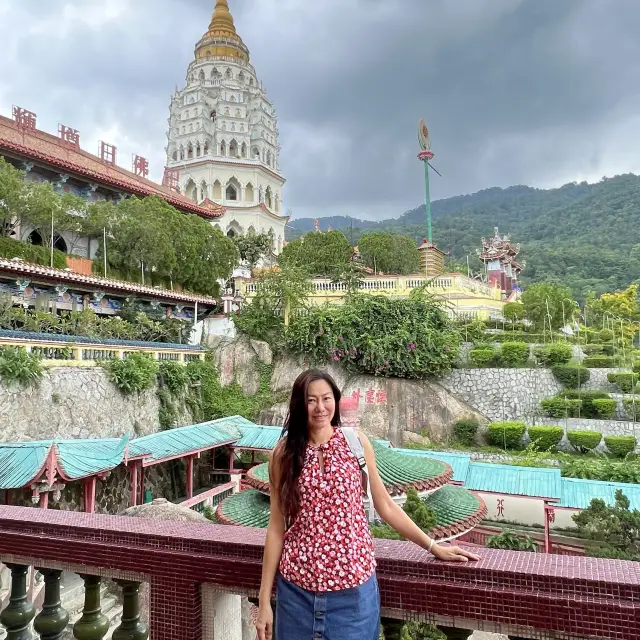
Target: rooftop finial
(222, 18)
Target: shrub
(570, 375)
(593, 349)
(133, 374)
(605, 335)
(584, 440)
(620, 446)
(506, 434)
(603, 469)
(32, 253)
(516, 336)
(626, 381)
(514, 354)
(173, 376)
(636, 367)
(465, 430)
(551, 354)
(599, 362)
(560, 407)
(16, 364)
(605, 407)
(546, 438)
(483, 357)
(587, 409)
(512, 541)
(632, 408)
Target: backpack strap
(357, 449)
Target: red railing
(507, 592)
(210, 498)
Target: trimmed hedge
(632, 407)
(35, 254)
(626, 381)
(584, 441)
(620, 446)
(552, 354)
(546, 438)
(587, 409)
(636, 367)
(559, 407)
(571, 376)
(593, 349)
(465, 430)
(514, 354)
(515, 336)
(483, 357)
(599, 362)
(605, 407)
(506, 434)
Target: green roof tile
(248, 508)
(512, 480)
(459, 462)
(259, 437)
(451, 504)
(82, 458)
(21, 463)
(578, 494)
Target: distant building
(499, 256)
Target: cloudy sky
(538, 92)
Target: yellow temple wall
(463, 296)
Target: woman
(318, 540)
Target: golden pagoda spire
(222, 19)
(222, 39)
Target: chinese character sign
(69, 135)
(24, 119)
(500, 507)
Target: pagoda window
(231, 193)
(238, 114)
(190, 151)
(206, 148)
(241, 127)
(233, 149)
(175, 155)
(184, 129)
(233, 126)
(223, 148)
(268, 200)
(227, 112)
(181, 153)
(233, 98)
(228, 74)
(213, 115)
(243, 150)
(191, 190)
(204, 190)
(201, 76)
(255, 152)
(215, 73)
(269, 158)
(217, 190)
(198, 151)
(190, 128)
(241, 76)
(249, 194)
(186, 114)
(251, 82)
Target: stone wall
(75, 402)
(598, 380)
(502, 394)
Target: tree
(615, 529)
(319, 253)
(389, 253)
(622, 304)
(548, 305)
(513, 312)
(253, 247)
(42, 209)
(11, 197)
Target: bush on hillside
(620, 446)
(465, 430)
(559, 407)
(545, 438)
(593, 349)
(514, 354)
(599, 362)
(404, 338)
(18, 365)
(587, 409)
(483, 357)
(133, 373)
(32, 253)
(603, 469)
(605, 407)
(552, 354)
(636, 367)
(626, 381)
(605, 335)
(632, 408)
(584, 441)
(507, 435)
(571, 376)
(515, 336)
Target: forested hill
(584, 235)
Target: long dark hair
(295, 436)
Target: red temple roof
(37, 145)
(26, 269)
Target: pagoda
(456, 509)
(499, 257)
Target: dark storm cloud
(514, 91)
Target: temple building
(223, 136)
(498, 254)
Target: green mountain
(586, 236)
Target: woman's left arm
(397, 519)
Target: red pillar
(253, 458)
(141, 484)
(90, 495)
(44, 500)
(190, 477)
(134, 483)
(231, 456)
(547, 533)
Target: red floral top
(329, 546)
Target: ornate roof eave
(22, 144)
(51, 274)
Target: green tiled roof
(456, 510)
(181, 441)
(577, 494)
(258, 437)
(21, 463)
(516, 481)
(82, 458)
(248, 508)
(459, 462)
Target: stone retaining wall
(502, 394)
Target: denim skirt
(350, 614)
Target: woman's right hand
(264, 625)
